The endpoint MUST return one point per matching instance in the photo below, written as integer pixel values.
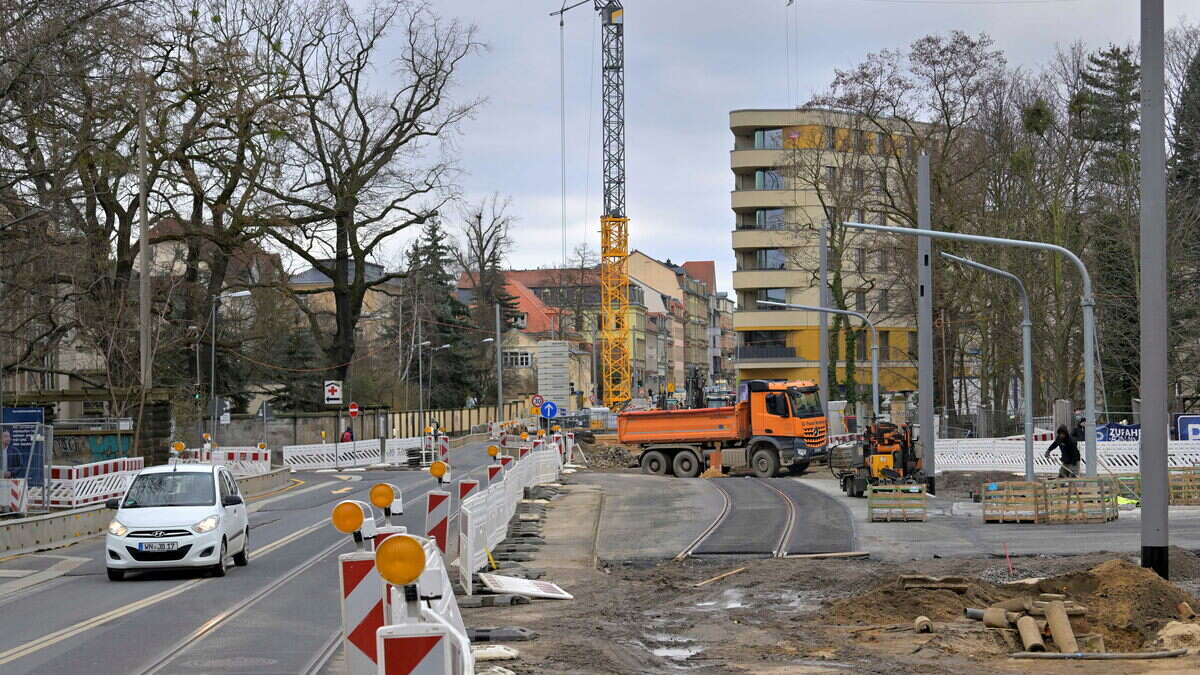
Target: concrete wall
(57, 529)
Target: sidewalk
(956, 529)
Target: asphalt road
(273, 616)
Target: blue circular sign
(549, 410)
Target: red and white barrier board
(362, 593)
(437, 517)
(84, 484)
(13, 495)
(416, 649)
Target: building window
(768, 179)
(770, 259)
(860, 259)
(518, 360)
(881, 218)
(860, 301)
(884, 256)
(912, 345)
(881, 183)
(520, 321)
(768, 139)
(862, 215)
(860, 141)
(831, 176)
(771, 295)
(884, 304)
(769, 219)
(860, 345)
(829, 139)
(885, 346)
(832, 216)
(860, 180)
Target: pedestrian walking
(1068, 448)
(347, 436)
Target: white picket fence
(996, 454)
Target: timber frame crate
(896, 503)
(1081, 500)
(1184, 485)
(1014, 502)
(1128, 485)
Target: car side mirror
(113, 504)
(231, 500)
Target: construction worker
(1069, 450)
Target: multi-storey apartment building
(795, 171)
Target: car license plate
(158, 545)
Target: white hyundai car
(179, 515)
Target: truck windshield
(805, 403)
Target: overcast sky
(687, 64)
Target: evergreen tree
(301, 390)
(1109, 109)
(443, 320)
(1183, 209)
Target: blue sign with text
(23, 446)
(1119, 432)
(1189, 427)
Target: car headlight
(206, 525)
(117, 528)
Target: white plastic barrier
(545, 464)
(396, 451)
(473, 524)
(84, 484)
(993, 454)
(248, 461)
(331, 455)
(14, 498)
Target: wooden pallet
(896, 503)
(1014, 502)
(1184, 485)
(1081, 500)
(1128, 485)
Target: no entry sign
(354, 410)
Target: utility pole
(823, 301)
(1154, 342)
(925, 326)
(144, 249)
(499, 370)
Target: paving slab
(651, 518)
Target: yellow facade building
(796, 170)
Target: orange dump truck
(774, 426)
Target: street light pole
(874, 342)
(499, 369)
(1026, 352)
(1088, 302)
(1154, 342)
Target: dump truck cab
(789, 414)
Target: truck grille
(815, 438)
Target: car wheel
(654, 463)
(687, 465)
(218, 570)
(242, 558)
(765, 463)
(115, 575)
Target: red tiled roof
(703, 270)
(543, 278)
(537, 314)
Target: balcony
(751, 159)
(766, 319)
(749, 238)
(762, 199)
(763, 352)
(771, 279)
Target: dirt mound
(1185, 565)
(609, 457)
(1177, 635)
(1126, 603)
(890, 603)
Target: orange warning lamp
(493, 450)
(524, 435)
(262, 446)
(429, 430)
(400, 559)
(207, 437)
(178, 446)
(541, 432)
(383, 495)
(438, 470)
(348, 517)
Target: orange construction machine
(773, 426)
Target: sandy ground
(815, 616)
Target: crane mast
(615, 361)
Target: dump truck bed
(702, 425)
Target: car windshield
(805, 403)
(188, 488)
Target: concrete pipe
(972, 613)
(1060, 628)
(1020, 604)
(995, 617)
(922, 624)
(1031, 637)
(1050, 597)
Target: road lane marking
(15, 574)
(257, 506)
(66, 564)
(54, 638)
(296, 482)
(340, 491)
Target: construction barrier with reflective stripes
(333, 455)
(84, 484)
(994, 454)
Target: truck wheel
(765, 463)
(687, 465)
(654, 463)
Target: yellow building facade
(792, 169)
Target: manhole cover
(232, 662)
